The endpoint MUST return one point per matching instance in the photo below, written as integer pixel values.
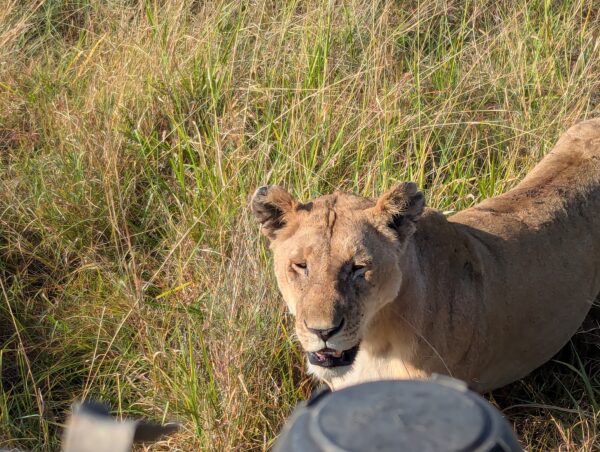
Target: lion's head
(337, 263)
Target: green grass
(133, 131)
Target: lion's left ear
(400, 208)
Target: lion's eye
(299, 267)
(358, 270)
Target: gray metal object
(92, 429)
(425, 416)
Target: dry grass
(132, 132)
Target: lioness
(389, 289)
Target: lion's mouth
(328, 357)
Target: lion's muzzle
(326, 333)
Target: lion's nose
(325, 333)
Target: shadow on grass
(559, 403)
(33, 396)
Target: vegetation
(133, 131)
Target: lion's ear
(400, 208)
(272, 206)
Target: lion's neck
(413, 327)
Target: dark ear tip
(409, 188)
(261, 192)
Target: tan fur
(486, 295)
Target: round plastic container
(409, 415)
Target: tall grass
(133, 131)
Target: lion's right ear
(399, 209)
(272, 206)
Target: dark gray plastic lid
(434, 415)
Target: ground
(133, 131)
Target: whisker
(429, 344)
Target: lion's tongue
(322, 354)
